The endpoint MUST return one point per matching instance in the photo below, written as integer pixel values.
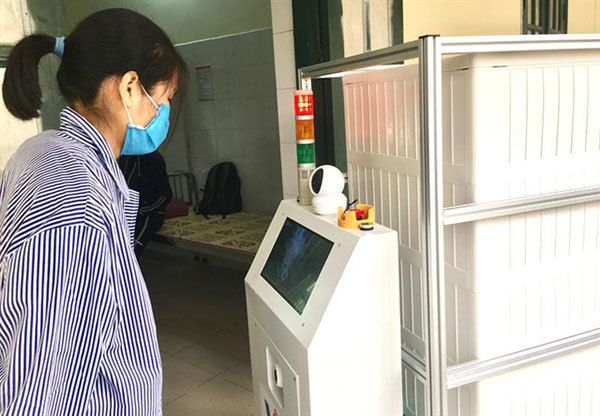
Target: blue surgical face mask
(143, 140)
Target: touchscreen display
(295, 263)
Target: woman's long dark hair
(109, 42)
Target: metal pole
(481, 211)
(514, 43)
(304, 83)
(430, 101)
(472, 371)
(449, 45)
(393, 54)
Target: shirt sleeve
(57, 310)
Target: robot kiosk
(323, 316)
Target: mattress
(242, 232)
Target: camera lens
(317, 181)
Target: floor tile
(231, 345)
(164, 355)
(172, 343)
(180, 378)
(217, 397)
(240, 375)
(208, 359)
(164, 316)
(200, 314)
(191, 328)
(234, 320)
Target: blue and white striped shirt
(77, 334)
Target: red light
(303, 103)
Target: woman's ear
(129, 87)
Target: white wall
(240, 124)
(185, 20)
(461, 17)
(354, 16)
(13, 132)
(584, 16)
(285, 76)
(15, 23)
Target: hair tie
(59, 46)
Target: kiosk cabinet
(323, 316)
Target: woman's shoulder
(51, 143)
(51, 167)
(50, 154)
(48, 182)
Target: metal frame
(5, 51)
(475, 212)
(391, 55)
(467, 373)
(184, 186)
(552, 16)
(429, 50)
(430, 104)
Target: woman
(77, 334)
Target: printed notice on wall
(204, 82)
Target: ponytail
(21, 88)
(106, 43)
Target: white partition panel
(566, 386)
(514, 125)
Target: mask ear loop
(149, 97)
(128, 115)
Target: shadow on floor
(200, 313)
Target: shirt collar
(81, 130)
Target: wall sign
(204, 83)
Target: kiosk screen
(295, 263)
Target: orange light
(305, 130)
(303, 103)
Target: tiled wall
(285, 73)
(184, 20)
(240, 123)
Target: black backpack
(222, 194)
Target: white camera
(327, 184)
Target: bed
(236, 237)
